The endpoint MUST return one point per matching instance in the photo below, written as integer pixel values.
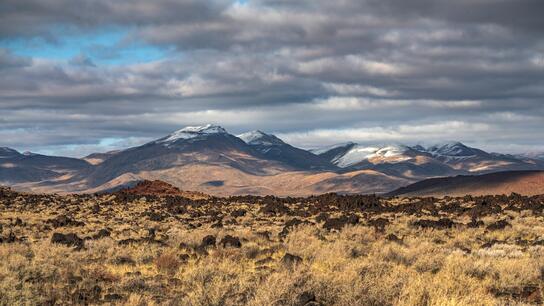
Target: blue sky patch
(108, 46)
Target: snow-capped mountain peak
(452, 149)
(260, 138)
(322, 150)
(359, 153)
(190, 132)
(419, 148)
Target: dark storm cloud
(315, 71)
(34, 17)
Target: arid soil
(155, 248)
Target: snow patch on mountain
(260, 138)
(322, 150)
(191, 132)
(359, 153)
(456, 149)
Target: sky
(86, 76)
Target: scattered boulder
(128, 241)
(151, 232)
(474, 223)
(124, 260)
(95, 209)
(201, 251)
(379, 224)
(306, 298)
(71, 240)
(154, 216)
(184, 258)
(63, 221)
(289, 225)
(18, 222)
(393, 238)
(184, 246)
(290, 260)
(103, 233)
(322, 217)
(490, 244)
(483, 208)
(10, 238)
(230, 241)
(339, 223)
(499, 225)
(238, 213)
(440, 224)
(87, 296)
(527, 294)
(208, 241)
(218, 224)
(112, 297)
(275, 208)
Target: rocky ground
(163, 248)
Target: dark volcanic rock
(218, 224)
(10, 238)
(230, 241)
(379, 224)
(475, 223)
(440, 224)
(275, 208)
(101, 234)
(112, 297)
(483, 208)
(339, 223)
(154, 216)
(393, 238)
(238, 213)
(322, 217)
(490, 243)
(208, 241)
(501, 224)
(128, 241)
(62, 221)
(124, 260)
(68, 239)
(305, 298)
(291, 260)
(289, 225)
(87, 296)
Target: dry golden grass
(355, 266)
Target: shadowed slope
(522, 182)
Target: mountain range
(211, 160)
(528, 183)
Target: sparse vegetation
(325, 250)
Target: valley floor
(130, 249)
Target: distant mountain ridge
(521, 182)
(271, 147)
(18, 167)
(209, 159)
(437, 160)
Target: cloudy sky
(95, 75)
